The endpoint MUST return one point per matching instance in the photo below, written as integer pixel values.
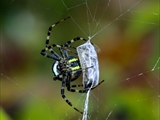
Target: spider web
(126, 33)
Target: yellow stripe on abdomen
(76, 68)
(73, 60)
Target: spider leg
(63, 95)
(49, 48)
(97, 85)
(68, 50)
(82, 91)
(73, 86)
(54, 55)
(50, 29)
(67, 44)
(52, 51)
(63, 52)
(68, 80)
(79, 91)
(58, 77)
(44, 53)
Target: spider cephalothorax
(66, 68)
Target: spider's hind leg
(64, 97)
(83, 90)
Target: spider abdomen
(71, 67)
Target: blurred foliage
(128, 46)
(3, 116)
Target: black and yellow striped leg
(82, 91)
(52, 51)
(62, 50)
(63, 95)
(68, 81)
(49, 48)
(73, 40)
(77, 90)
(50, 29)
(53, 56)
(67, 44)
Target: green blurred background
(129, 45)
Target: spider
(66, 68)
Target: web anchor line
(156, 64)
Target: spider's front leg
(50, 29)
(67, 44)
(53, 54)
(49, 48)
